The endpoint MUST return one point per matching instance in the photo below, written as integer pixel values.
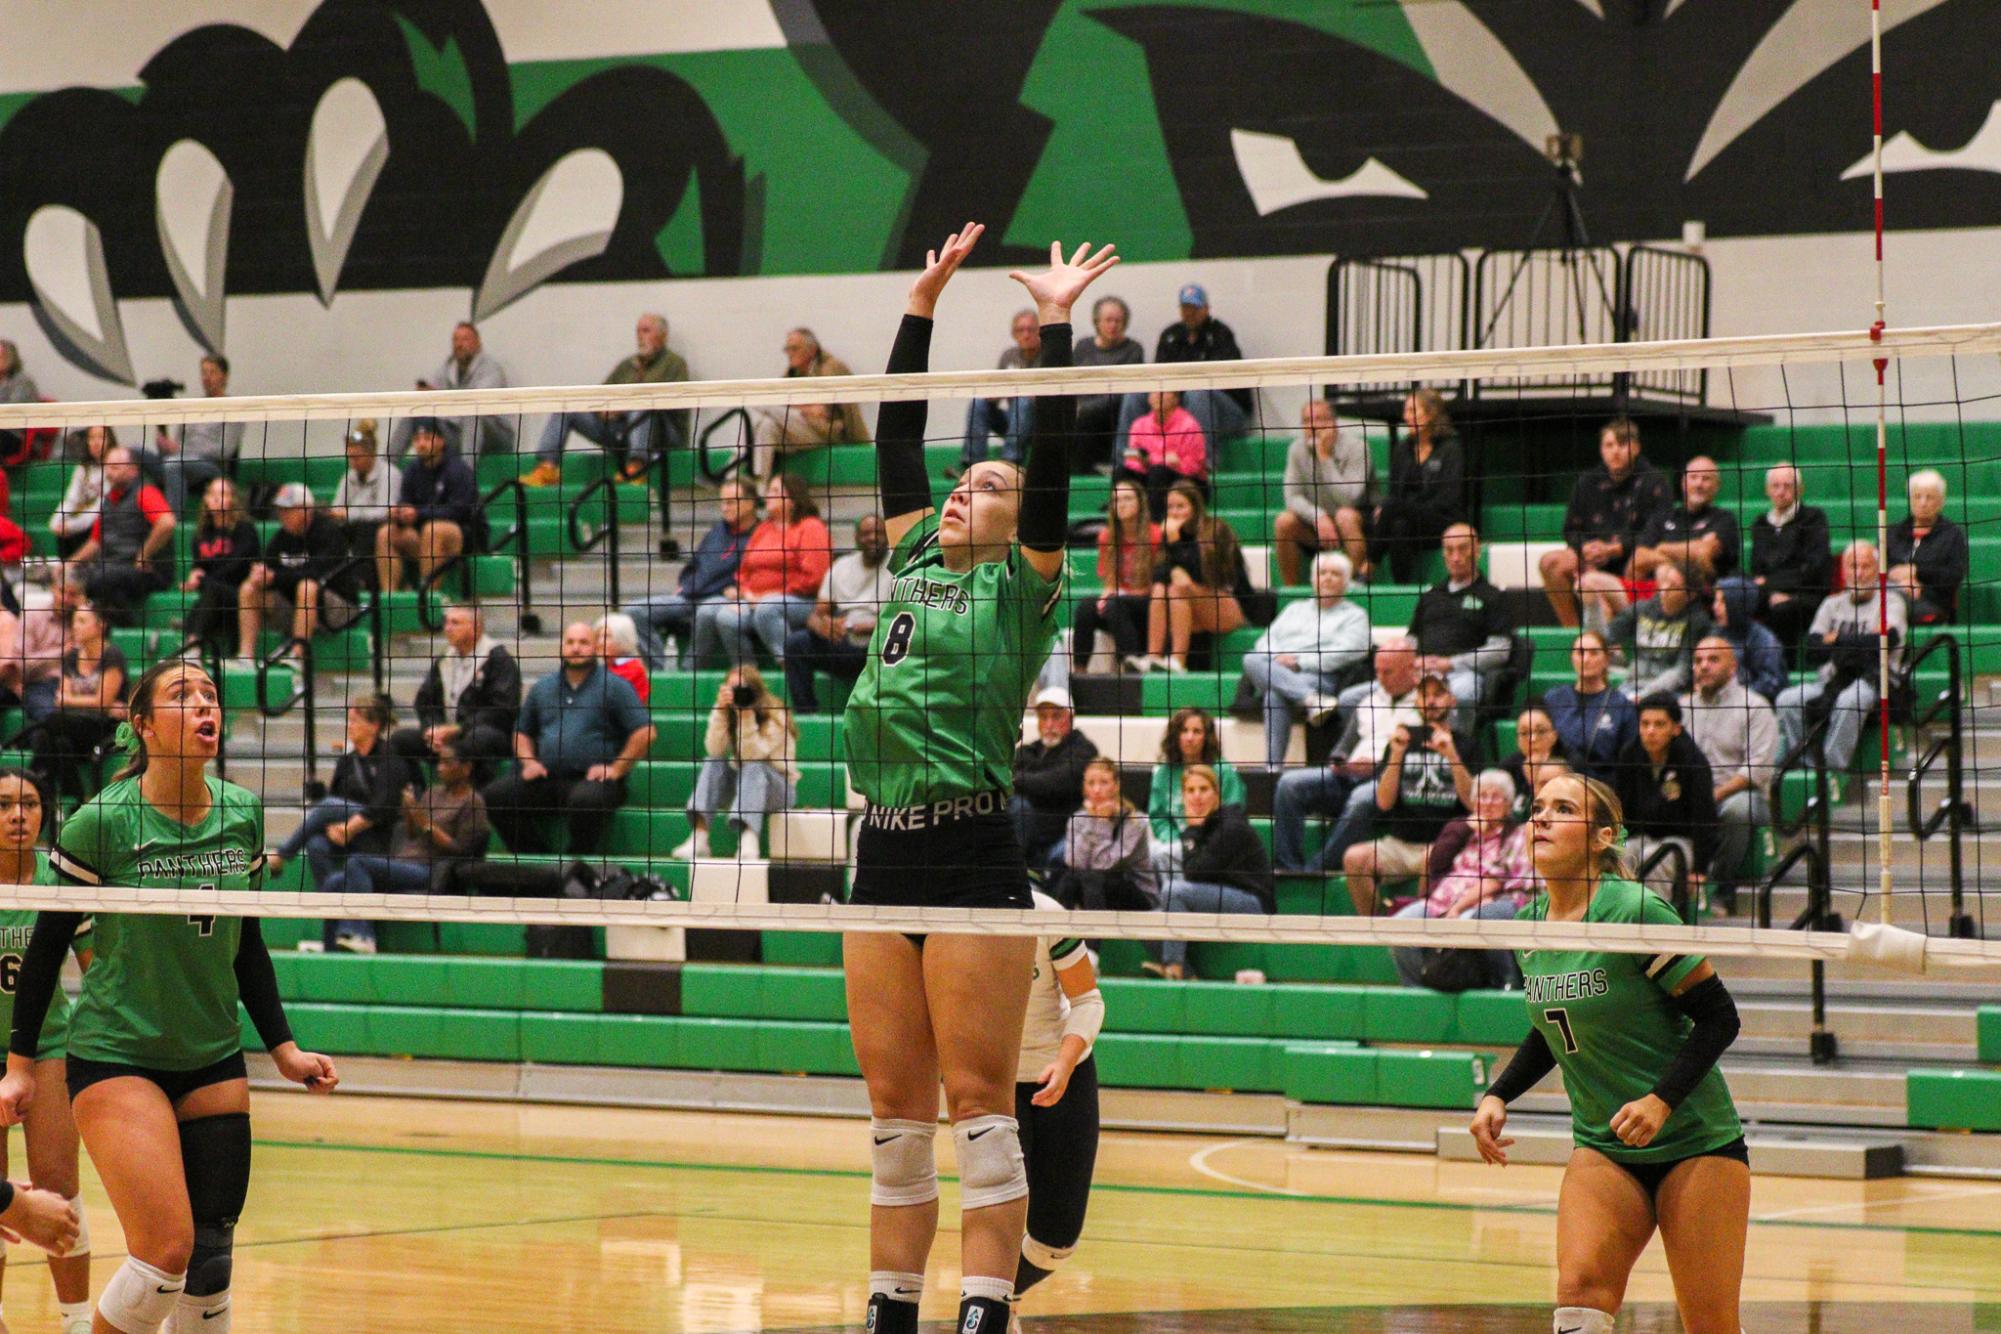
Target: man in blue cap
(1197, 336)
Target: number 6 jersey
(15, 928)
(161, 992)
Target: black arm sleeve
(1532, 1060)
(1715, 1014)
(41, 971)
(256, 985)
(1045, 501)
(899, 427)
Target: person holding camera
(749, 771)
(1422, 784)
(1843, 642)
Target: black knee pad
(215, 1158)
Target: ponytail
(1604, 811)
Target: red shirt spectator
(633, 670)
(790, 551)
(1176, 444)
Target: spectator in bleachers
(1462, 627)
(1422, 785)
(469, 699)
(1761, 658)
(1298, 663)
(1098, 414)
(1792, 561)
(1842, 644)
(618, 645)
(804, 425)
(1329, 484)
(126, 559)
(747, 771)
(631, 438)
(1668, 791)
(1165, 446)
(203, 451)
(16, 386)
(777, 580)
(1198, 336)
(363, 802)
(1610, 507)
(1738, 733)
(1478, 867)
(1107, 858)
(709, 576)
(1221, 866)
(436, 516)
(1698, 535)
(1190, 738)
(580, 733)
(437, 830)
(835, 637)
(89, 704)
(76, 512)
(1594, 718)
(1426, 492)
(466, 367)
(1343, 787)
(1008, 418)
(367, 490)
(1199, 582)
(1049, 778)
(1656, 638)
(32, 645)
(1539, 755)
(225, 547)
(301, 584)
(1928, 553)
(1127, 548)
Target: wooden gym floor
(389, 1215)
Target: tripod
(1574, 251)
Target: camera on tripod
(162, 388)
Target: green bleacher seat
(1963, 1099)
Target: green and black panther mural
(394, 144)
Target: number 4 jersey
(1611, 1022)
(15, 928)
(161, 990)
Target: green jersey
(937, 711)
(1614, 1029)
(161, 991)
(15, 928)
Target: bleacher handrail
(606, 535)
(1671, 852)
(1952, 809)
(1815, 851)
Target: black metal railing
(1814, 852)
(606, 534)
(430, 609)
(733, 455)
(1674, 853)
(1952, 813)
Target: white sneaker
(1319, 708)
(352, 944)
(1173, 666)
(747, 849)
(692, 848)
(1138, 664)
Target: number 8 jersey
(161, 992)
(937, 711)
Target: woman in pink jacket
(1166, 446)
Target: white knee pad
(991, 1170)
(1044, 1257)
(82, 1246)
(905, 1167)
(1581, 1320)
(139, 1297)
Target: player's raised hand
(939, 266)
(1057, 288)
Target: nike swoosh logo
(211, 1315)
(884, 1139)
(973, 1135)
(166, 1290)
(908, 1292)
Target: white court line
(1199, 1160)
(1972, 1192)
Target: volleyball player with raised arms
(156, 1072)
(1637, 1038)
(930, 732)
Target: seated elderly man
(1049, 778)
(1422, 785)
(1738, 733)
(1928, 553)
(631, 438)
(1462, 627)
(1343, 787)
(1843, 642)
(1297, 663)
(1790, 561)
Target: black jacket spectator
(317, 554)
(1676, 799)
(1942, 560)
(1427, 798)
(1210, 340)
(1225, 850)
(1447, 624)
(1051, 780)
(449, 491)
(223, 556)
(485, 710)
(1796, 560)
(1681, 524)
(1608, 509)
(375, 782)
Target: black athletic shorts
(951, 854)
(176, 1084)
(1650, 1175)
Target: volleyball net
(1868, 792)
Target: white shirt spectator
(78, 508)
(1325, 640)
(1737, 731)
(857, 592)
(367, 499)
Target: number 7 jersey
(161, 992)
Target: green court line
(1186, 1192)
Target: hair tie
(125, 739)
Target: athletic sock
(892, 1302)
(72, 1316)
(985, 1304)
(1582, 1320)
(201, 1315)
